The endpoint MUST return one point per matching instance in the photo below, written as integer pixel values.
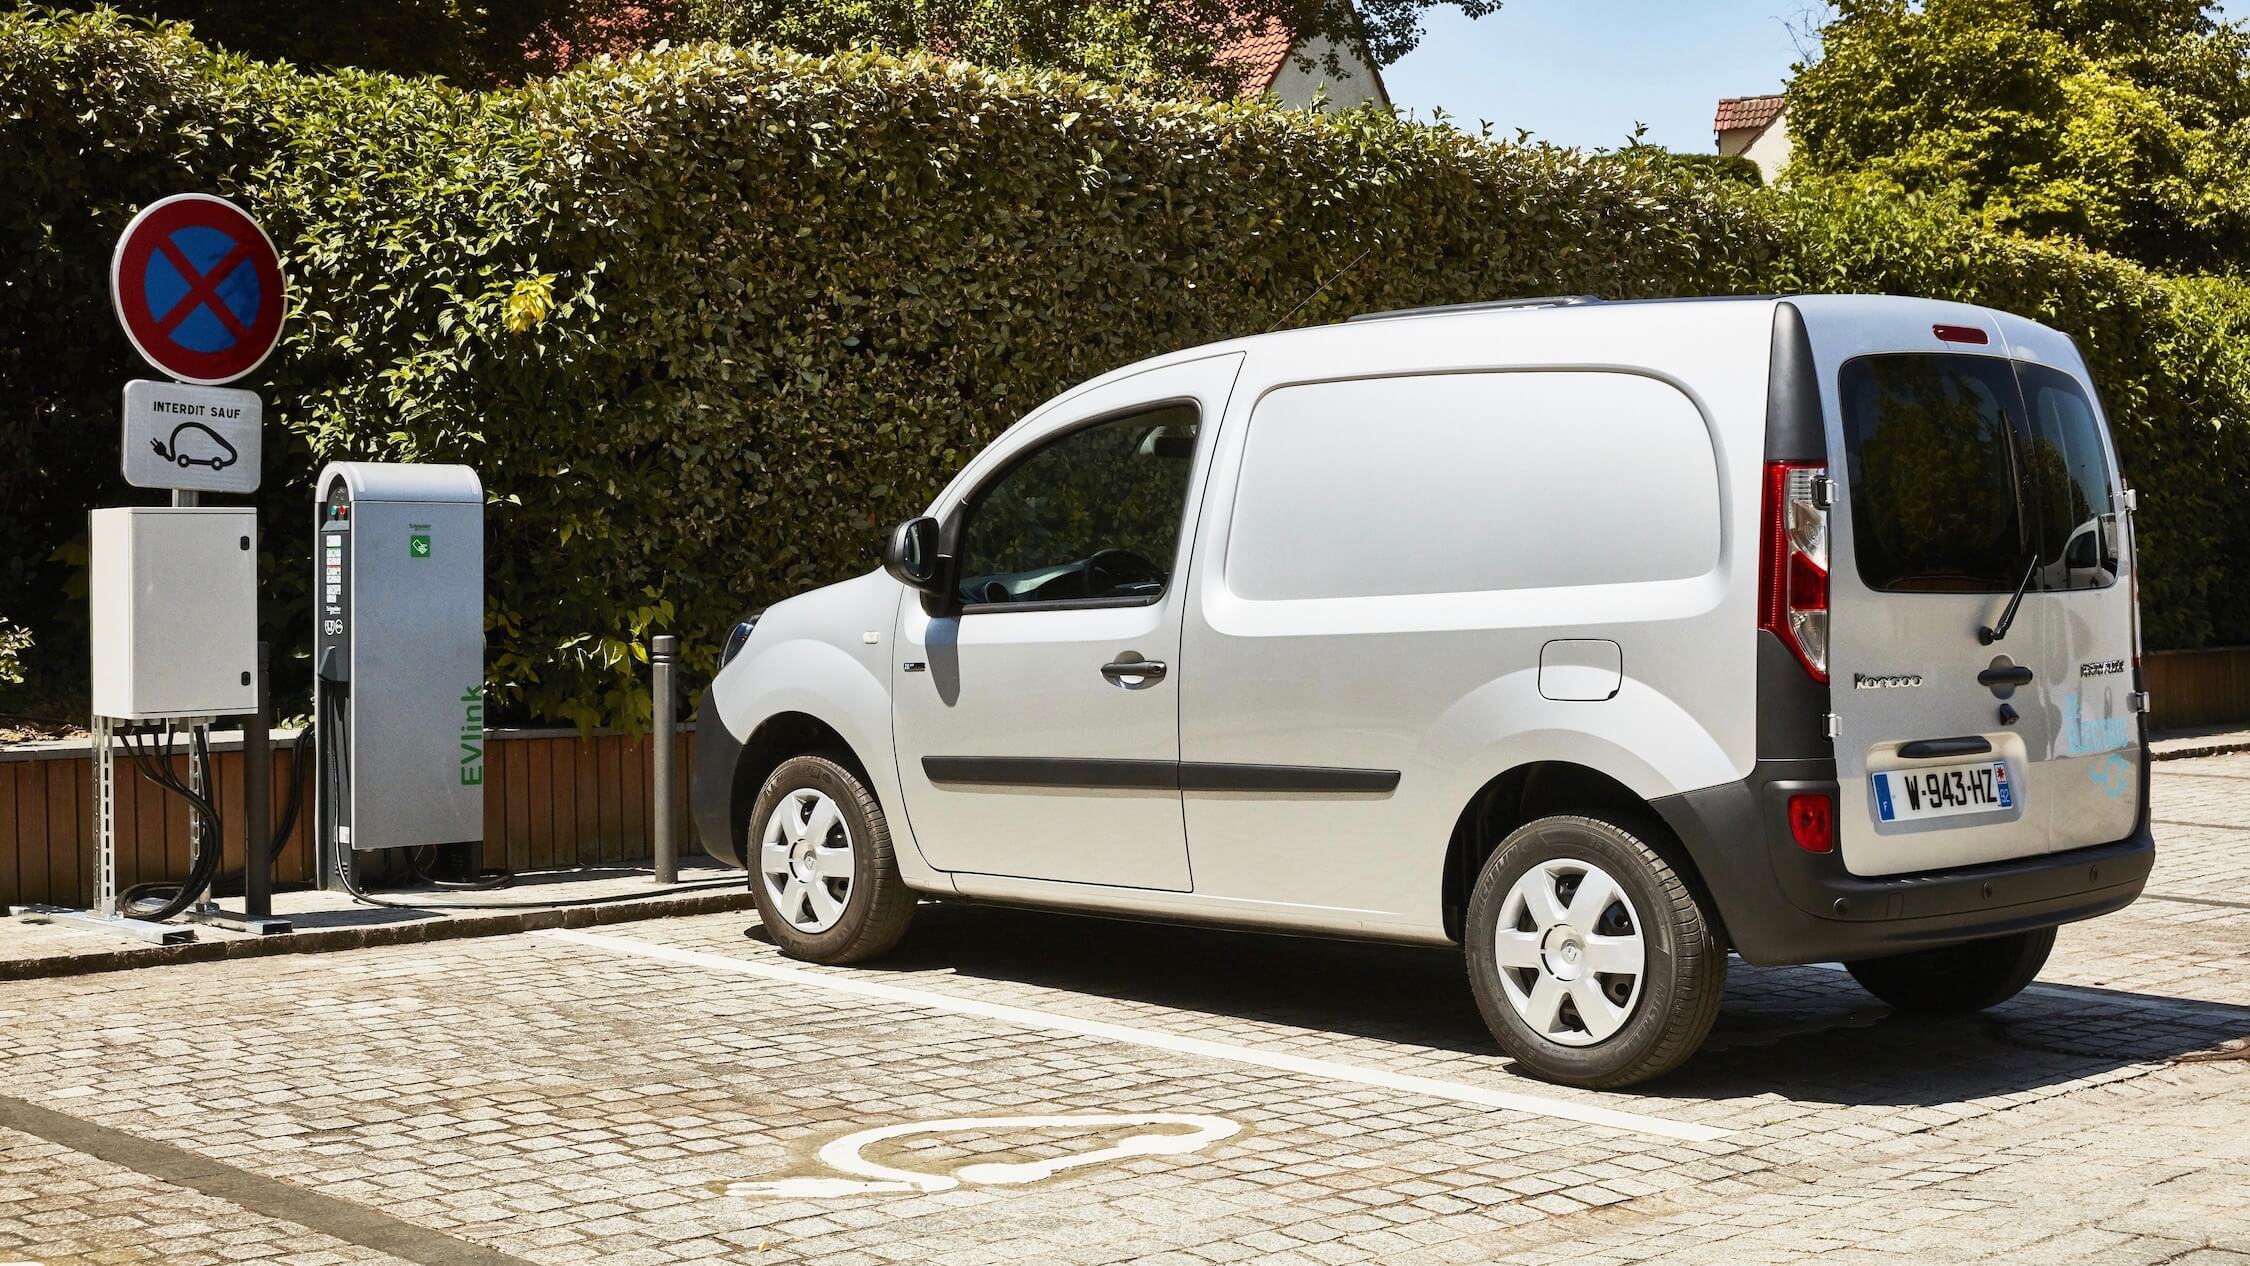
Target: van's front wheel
(1957, 979)
(821, 868)
(1591, 958)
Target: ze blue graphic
(2114, 776)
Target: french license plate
(1911, 795)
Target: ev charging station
(398, 582)
(398, 656)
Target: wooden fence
(551, 799)
(2194, 690)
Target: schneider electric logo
(472, 737)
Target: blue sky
(1582, 72)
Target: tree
(2125, 123)
(1167, 46)
(1162, 45)
(471, 43)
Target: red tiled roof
(1258, 56)
(1736, 113)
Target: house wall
(1769, 147)
(1356, 86)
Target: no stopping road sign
(198, 287)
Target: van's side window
(1092, 515)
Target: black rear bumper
(1783, 905)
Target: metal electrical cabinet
(398, 656)
(173, 597)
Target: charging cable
(170, 898)
(334, 762)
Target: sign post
(198, 288)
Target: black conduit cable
(344, 872)
(487, 879)
(204, 829)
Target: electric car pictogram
(199, 439)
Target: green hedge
(1734, 167)
(708, 320)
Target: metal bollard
(257, 800)
(662, 650)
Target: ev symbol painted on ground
(1156, 1134)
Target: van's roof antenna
(1332, 278)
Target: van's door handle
(1924, 749)
(2013, 675)
(1133, 674)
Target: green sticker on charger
(418, 545)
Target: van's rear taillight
(1812, 823)
(1793, 569)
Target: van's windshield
(1962, 469)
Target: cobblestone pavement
(1022, 1088)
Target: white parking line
(1026, 1017)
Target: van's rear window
(2068, 470)
(1930, 473)
(1962, 468)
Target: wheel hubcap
(805, 860)
(1571, 952)
(1562, 952)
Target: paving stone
(558, 1103)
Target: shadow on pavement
(1806, 1034)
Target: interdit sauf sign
(198, 288)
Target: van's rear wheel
(821, 868)
(1957, 979)
(1592, 959)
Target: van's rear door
(2091, 780)
(1963, 473)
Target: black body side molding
(1152, 775)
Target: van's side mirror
(911, 556)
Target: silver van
(1599, 639)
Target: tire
(1654, 1019)
(836, 896)
(1957, 979)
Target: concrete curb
(329, 940)
(2207, 749)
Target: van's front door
(1037, 717)
(1968, 476)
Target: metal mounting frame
(103, 916)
